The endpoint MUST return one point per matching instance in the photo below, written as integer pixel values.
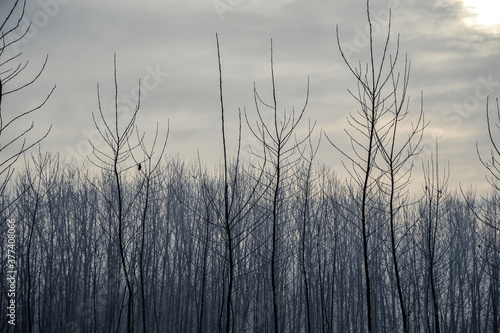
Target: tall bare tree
(397, 150)
(489, 213)
(282, 150)
(434, 190)
(373, 134)
(307, 189)
(115, 162)
(236, 203)
(149, 168)
(14, 135)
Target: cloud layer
(453, 63)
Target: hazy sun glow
(487, 11)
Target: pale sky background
(454, 51)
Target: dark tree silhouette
(14, 135)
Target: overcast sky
(170, 45)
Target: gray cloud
(449, 61)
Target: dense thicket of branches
(269, 242)
(77, 284)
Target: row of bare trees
(178, 263)
(271, 241)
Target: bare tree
(397, 154)
(264, 244)
(488, 214)
(434, 190)
(492, 162)
(307, 188)
(115, 163)
(282, 152)
(15, 138)
(149, 175)
(374, 130)
(236, 203)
